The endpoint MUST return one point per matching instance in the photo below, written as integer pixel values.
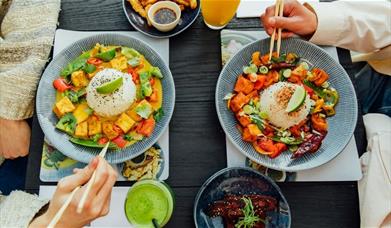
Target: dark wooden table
(197, 142)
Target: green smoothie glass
(149, 200)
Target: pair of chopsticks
(80, 206)
(279, 11)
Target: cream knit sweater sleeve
(19, 208)
(27, 33)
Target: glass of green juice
(149, 200)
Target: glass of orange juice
(217, 13)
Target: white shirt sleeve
(363, 26)
(374, 189)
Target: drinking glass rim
(166, 190)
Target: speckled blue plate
(239, 181)
(341, 126)
(46, 99)
(188, 16)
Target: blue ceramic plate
(239, 181)
(188, 16)
(46, 99)
(341, 126)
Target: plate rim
(63, 52)
(294, 168)
(227, 169)
(163, 36)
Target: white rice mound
(120, 100)
(274, 101)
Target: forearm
(25, 47)
(19, 208)
(358, 26)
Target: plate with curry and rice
(136, 12)
(107, 88)
(292, 112)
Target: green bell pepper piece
(158, 115)
(91, 143)
(107, 55)
(75, 65)
(155, 71)
(89, 68)
(129, 52)
(146, 87)
(67, 123)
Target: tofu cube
(81, 112)
(79, 78)
(125, 122)
(108, 130)
(120, 63)
(63, 106)
(82, 129)
(94, 126)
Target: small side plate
(140, 23)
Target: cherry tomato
(309, 90)
(152, 81)
(120, 141)
(117, 129)
(103, 140)
(94, 61)
(60, 85)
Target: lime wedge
(110, 87)
(296, 100)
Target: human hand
(297, 19)
(14, 138)
(97, 202)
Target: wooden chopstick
(59, 213)
(90, 182)
(272, 39)
(281, 14)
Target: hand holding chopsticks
(299, 19)
(278, 11)
(80, 206)
(72, 189)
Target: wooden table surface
(197, 142)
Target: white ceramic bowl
(164, 4)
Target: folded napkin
(375, 187)
(26, 38)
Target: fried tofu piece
(94, 126)
(120, 63)
(148, 2)
(125, 122)
(193, 4)
(108, 130)
(63, 106)
(79, 78)
(81, 112)
(183, 2)
(82, 130)
(138, 7)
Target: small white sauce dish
(160, 5)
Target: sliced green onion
(287, 73)
(263, 70)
